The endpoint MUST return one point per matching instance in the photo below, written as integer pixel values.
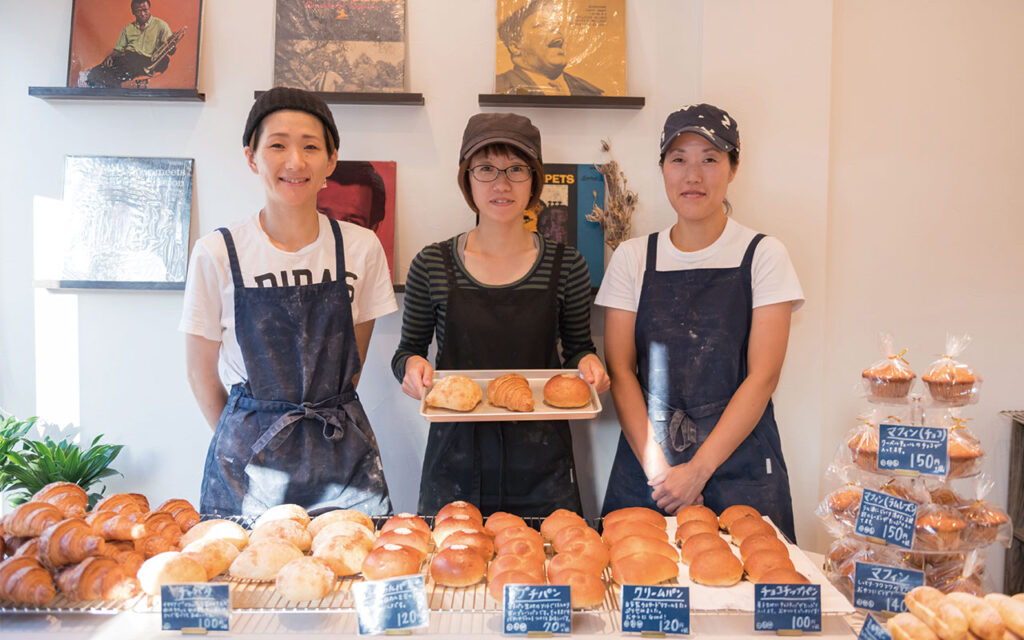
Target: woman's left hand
(679, 486)
(593, 372)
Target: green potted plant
(40, 462)
(12, 433)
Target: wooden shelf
(564, 102)
(359, 97)
(89, 93)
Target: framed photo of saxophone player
(134, 44)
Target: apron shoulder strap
(746, 267)
(339, 251)
(236, 270)
(652, 256)
(449, 262)
(748, 257)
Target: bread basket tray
(485, 412)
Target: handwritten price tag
(873, 630)
(393, 604)
(660, 609)
(195, 606)
(887, 517)
(535, 608)
(779, 607)
(920, 449)
(880, 588)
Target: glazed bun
(576, 561)
(476, 540)
(634, 514)
(457, 566)
(591, 548)
(500, 520)
(638, 544)
(586, 591)
(496, 585)
(410, 538)
(305, 579)
(407, 520)
(339, 515)
(747, 526)
(700, 544)
(761, 562)
(783, 576)
(645, 569)
(390, 561)
(523, 547)
(569, 535)
(452, 523)
(616, 532)
(283, 512)
(502, 564)
(716, 568)
(460, 508)
(696, 512)
(509, 533)
(736, 511)
(566, 391)
(690, 528)
(761, 542)
(558, 520)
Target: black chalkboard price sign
(655, 609)
(880, 588)
(195, 606)
(787, 607)
(873, 630)
(394, 604)
(536, 609)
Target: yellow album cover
(561, 47)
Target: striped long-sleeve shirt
(426, 301)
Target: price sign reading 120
(656, 609)
(916, 449)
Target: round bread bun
(170, 567)
(317, 524)
(702, 543)
(696, 512)
(501, 520)
(305, 579)
(478, 541)
(457, 566)
(736, 511)
(515, 563)
(716, 568)
(460, 508)
(690, 528)
(222, 529)
(761, 562)
(645, 569)
(215, 554)
(747, 526)
(761, 542)
(345, 553)
(577, 561)
(593, 548)
(573, 534)
(496, 585)
(390, 561)
(586, 591)
(412, 538)
(783, 576)
(407, 520)
(634, 514)
(262, 560)
(558, 520)
(615, 532)
(342, 528)
(522, 547)
(283, 512)
(639, 544)
(290, 530)
(509, 533)
(451, 524)
(566, 391)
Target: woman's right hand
(419, 375)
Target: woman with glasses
(498, 297)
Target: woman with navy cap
(696, 328)
(280, 306)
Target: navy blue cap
(706, 120)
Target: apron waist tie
(333, 429)
(682, 430)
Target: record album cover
(561, 47)
(135, 44)
(363, 192)
(569, 194)
(128, 220)
(340, 45)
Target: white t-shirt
(773, 278)
(209, 309)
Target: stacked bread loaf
(933, 615)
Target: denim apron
(692, 330)
(523, 467)
(295, 431)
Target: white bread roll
(262, 560)
(170, 567)
(215, 554)
(305, 579)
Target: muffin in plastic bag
(950, 381)
(938, 528)
(962, 572)
(891, 378)
(965, 451)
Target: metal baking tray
(485, 412)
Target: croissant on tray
(97, 578)
(125, 555)
(32, 518)
(112, 525)
(70, 498)
(182, 511)
(67, 542)
(24, 581)
(123, 503)
(511, 391)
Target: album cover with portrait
(341, 45)
(134, 44)
(569, 194)
(561, 47)
(363, 192)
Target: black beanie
(287, 98)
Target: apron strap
(652, 256)
(236, 270)
(333, 429)
(449, 264)
(339, 250)
(747, 267)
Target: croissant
(511, 391)
(32, 518)
(125, 555)
(163, 524)
(121, 503)
(13, 543)
(112, 525)
(67, 542)
(28, 549)
(70, 498)
(22, 580)
(182, 511)
(455, 392)
(142, 501)
(97, 578)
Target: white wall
(880, 144)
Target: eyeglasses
(515, 173)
